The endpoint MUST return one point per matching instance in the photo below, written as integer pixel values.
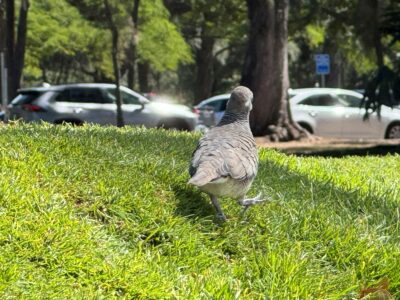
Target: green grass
(105, 213)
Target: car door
(353, 124)
(326, 113)
(85, 104)
(134, 108)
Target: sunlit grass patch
(92, 212)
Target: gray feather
(227, 151)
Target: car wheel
(393, 131)
(174, 124)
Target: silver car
(333, 112)
(327, 112)
(96, 103)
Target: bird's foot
(220, 214)
(246, 203)
(252, 201)
(221, 217)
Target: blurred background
(191, 49)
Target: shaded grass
(90, 212)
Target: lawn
(105, 213)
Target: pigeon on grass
(225, 161)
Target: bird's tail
(201, 178)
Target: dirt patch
(334, 146)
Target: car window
(223, 105)
(126, 97)
(321, 100)
(26, 98)
(350, 100)
(217, 105)
(81, 95)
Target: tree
(161, 47)
(216, 30)
(131, 51)
(20, 46)
(2, 40)
(10, 40)
(383, 88)
(62, 46)
(16, 49)
(115, 13)
(265, 70)
(368, 14)
(115, 36)
(2, 25)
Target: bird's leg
(215, 202)
(246, 203)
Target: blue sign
(322, 64)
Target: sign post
(322, 66)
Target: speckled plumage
(225, 161)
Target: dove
(225, 162)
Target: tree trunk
(10, 41)
(265, 70)
(205, 67)
(44, 75)
(20, 46)
(115, 37)
(376, 6)
(2, 26)
(131, 51)
(2, 35)
(367, 25)
(143, 70)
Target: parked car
(96, 103)
(211, 110)
(329, 112)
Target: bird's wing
(240, 159)
(224, 157)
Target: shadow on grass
(192, 204)
(379, 150)
(346, 202)
(329, 208)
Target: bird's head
(240, 101)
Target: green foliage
(56, 31)
(160, 42)
(91, 212)
(224, 25)
(362, 62)
(69, 40)
(343, 29)
(315, 34)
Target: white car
(328, 112)
(337, 113)
(211, 110)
